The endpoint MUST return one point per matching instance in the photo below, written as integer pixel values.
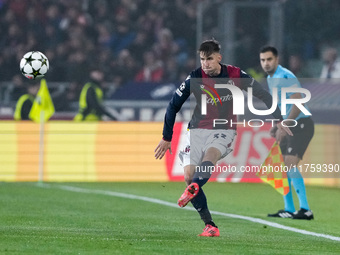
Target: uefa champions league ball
(34, 65)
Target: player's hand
(273, 131)
(161, 149)
(282, 132)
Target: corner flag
(272, 170)
(42, 102)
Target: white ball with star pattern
(34, 65)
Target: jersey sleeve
(259, 92)
(180, 96)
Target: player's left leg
(300, 188)
(297, 180)
(289, 208)
(201, 176)
(297, 145)
(200, 201)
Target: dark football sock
(211, 223)
(200, 204)
(203, 173)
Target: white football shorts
(199, 140)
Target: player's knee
(187, 178)
(188, 173)
(294, 173)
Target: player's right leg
(210, 231)
(289, 207)
(201, 176)
(303, 134)
(294, 174)
(196, 195)
(191, 190)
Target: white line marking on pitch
(162, 202)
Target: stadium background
(130, 39)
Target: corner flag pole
(41, 147)
(41, 111)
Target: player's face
(211, 64)
(269, 62)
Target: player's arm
(93, 103)
(178, 99)
(264, 96)
(295, 111)
(290, 81)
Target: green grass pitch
(49, 219)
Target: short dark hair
(209, 47)
(271, 49)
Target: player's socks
(203, 173)
(200, 204)
(211, 223)
(288, 199)
(201, 176)
(299, 186)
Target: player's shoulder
(231, 71)
(231, 67)
(197, 73)
(284, 72)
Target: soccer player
(206, 143)
(294, 147)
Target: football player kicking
(207, 143)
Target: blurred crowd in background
(134, 40)
(142, 40)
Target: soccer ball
(34, 65)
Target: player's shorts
(297, 144)
(199, 140)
